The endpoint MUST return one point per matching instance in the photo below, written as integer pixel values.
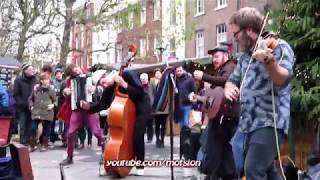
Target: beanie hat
(25, 66)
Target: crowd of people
(251, 88)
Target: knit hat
(25, 66)
(58, 70)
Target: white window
(199, 6)
(156, 9)
(173, 12)
(221, 3)
(98, 58)
(119, 53)
(142, 49)
(199, 43)
(143, 15)
(131, 20)
(173, 47)
(108, 57)
(108, 32)
(221, 33)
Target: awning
(9, 62)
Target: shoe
(89, 146)
(161, 144)
(149, 141)
(43, 149)
(140, 171)
(66, 161)
(81, 146)
(33, 144)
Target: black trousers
(160, 122)
(150, 129)
(139, 130)
(24, 119)
(219, 150)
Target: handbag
(65, 112)
(195, 119)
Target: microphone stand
(172, 90)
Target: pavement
(86, 166)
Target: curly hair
(247, 17)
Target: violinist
(257, 85)
(219, 151)
(130, 84)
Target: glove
(50, 107)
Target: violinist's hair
(247, 17)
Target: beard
(246, 43)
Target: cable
(275, 124)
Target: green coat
(39, 101)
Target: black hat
(220, 48)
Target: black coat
(135, 91)
(185, 85)
(22, 89)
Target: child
(41, 103)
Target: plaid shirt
(256, 95)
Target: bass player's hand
(84, 105)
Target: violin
(122, 117)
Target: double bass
(122, 117)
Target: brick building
(208, 22)
(81, 38)
(142, 30)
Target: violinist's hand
(231, 92)
(118, 79)
(198, 74)
(84, 105)
(263, 55)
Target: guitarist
(220, 158)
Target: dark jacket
(222, 75)
(185, 85)
(22, 89)
(220, 79)
(135, 91)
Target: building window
(173, 47)
(199, 43)
(119, 53)
(143, 15)
(221, 33)
(156, 9)
(221, 3)
(142, 49)
(200, 6)
(108, 58)
(173, 12)
(131, 20)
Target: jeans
(261, 151)
(24, 120)
(237, 143)
(46, 127)
(185, 112)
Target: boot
(33, 143)
(45, 144)
(66, 161)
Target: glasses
(235, 34)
